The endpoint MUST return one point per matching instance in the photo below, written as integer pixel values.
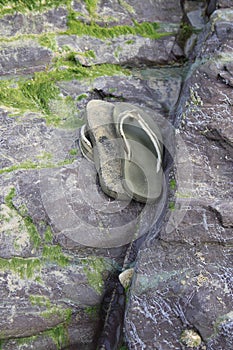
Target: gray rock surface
(23, 57)
(126, 50)
(18, 23)
(125, 11)
(184, 281)
(53, 270)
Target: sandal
(106, 151)
(143, 150)
(85, 144)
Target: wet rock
(124, 12)
(195, 12)
(184, 280)
(18, 23)
(126, 50)
(223, 339)
(45, 291)
(51, 283)
(152, 88)
(125, 277)
(23, 57)
(223, 210)
(224, 3)
(190, 338)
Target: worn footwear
(85, 144)
(106, 147)
(143, 150)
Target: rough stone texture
(224, 3)
(153, 88)
(126, 50)
(184, 281)
(56, 287)
(17, 24)
(51, 285)
(23, 57)
(129, 50)
(28, 143)
(125, 11)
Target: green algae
(73, 152)
(54, 254)
(29, 165)
(58, 312)
(40, 300)
(185, 32)
(51, 310)
(30, 95)
(31, 228)
(59, 335)
(144, 29)
(45, 156)
(90, 53)
(172, 205)
(24, 267)
(40, 90)
(27, 340)
(92, 311)
(81, 97)
(37, 94)
(11, 6)
(172, 184)
(48, 235)
(127, 6)
(91, 6)
(9, 198)
(47, 40)
(32, 231)
(94, 268)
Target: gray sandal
(85, 144)
(143, 150)
(106, 147)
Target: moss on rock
(54, 254)
(26, 268)
(94, 268)
(11, 6)
(144, 29)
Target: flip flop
(106, 147)
(143, 151)
(85, 144)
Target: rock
(52, 284)
(183, 280)
(190, 338)
(223, 339)
(128, 50)
(124, 12)
(23, 57)
(125, 277)
(18, 23)
(224, 3)
(195, 12)
(223, 211)
(46, 293)
(152, 88)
